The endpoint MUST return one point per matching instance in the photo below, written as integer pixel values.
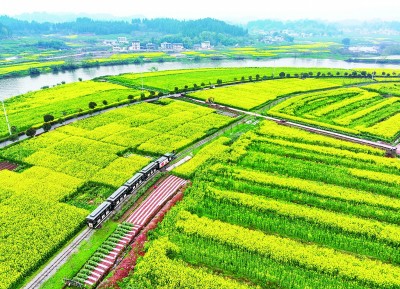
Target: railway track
(387, 147)
(50, 269)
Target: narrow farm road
(380, 145)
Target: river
(14, 86)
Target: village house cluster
(121, 44)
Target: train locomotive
(104, 209)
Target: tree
(160, 94)
(105, 102)
(346, 42)
(47, 126)
(363, 73)
(250, 78)
(288, 75)
(318, 74)
(338, 73)
(176, 89)
(242, 79)
(48, 117)
(282, 74)
(219, 81)
(152, 93)
(14, 135)
(34, 71)
(92, 105)
(31, 132)
(142, 96)
(257, 77)
(195, 86)
(13, 129)
(130, 97)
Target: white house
(205, 45)
(135, 45)
(166, 46)
(151, 46)
(110, 42)
(123, 40)
(177, 46)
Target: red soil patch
(7, 166)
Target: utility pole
(5, 115)
(141, 76)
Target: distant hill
(300, 26)
(184, 28)
(4, 32)
(320, 27)
(42, 17)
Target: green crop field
(168, 80)
(370, 111)
(388, 89)
(270, 206)
(280, 208)
(28, 109)
(101, 153)
(251, 95)
(15, 68)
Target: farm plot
(351, 110)
(251, 95)
(385, 88)
(281, 208)
(97, 152)
(168, 80)
(28, 109)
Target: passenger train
(103, 210)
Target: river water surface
(14, 86)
